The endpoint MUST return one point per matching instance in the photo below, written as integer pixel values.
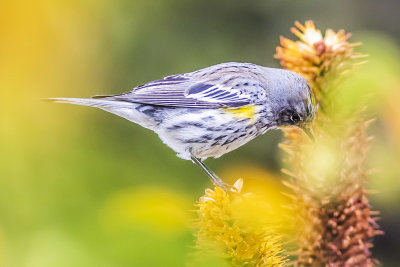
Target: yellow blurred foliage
(2, 249)
(152, 207)
(391, 114)
(266, 186)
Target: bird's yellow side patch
(246, 112)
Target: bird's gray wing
(183, 90)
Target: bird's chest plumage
(225, 143)
(211, 132)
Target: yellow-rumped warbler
(212, 111)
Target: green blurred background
(80, 187)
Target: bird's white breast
(205, 133)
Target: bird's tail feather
(92, 102)
(127, 110)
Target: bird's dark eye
(295, 118)
(289, 117)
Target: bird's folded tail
(92, 102)
(134, 112)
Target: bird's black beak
(309, 132)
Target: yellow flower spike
(227, 228)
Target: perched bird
(212, 111)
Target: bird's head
(294, 103)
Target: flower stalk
(328, 178)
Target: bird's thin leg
(214, 178)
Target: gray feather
(92, 102)
(223, 85)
